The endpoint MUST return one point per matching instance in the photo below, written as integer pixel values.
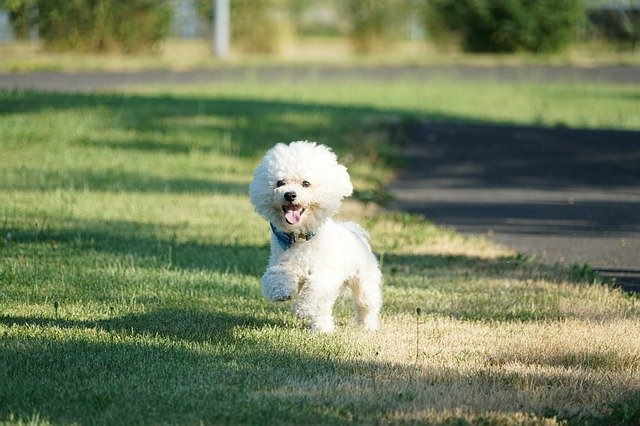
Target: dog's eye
(306, 183)
(279, 183)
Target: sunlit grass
(174, 54)
(130, 260)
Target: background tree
(92, 25)
(538, 26)
(375, 24)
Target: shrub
(538, 26)
(375, 24)
(257, 26)
(620, 26)
(103, 25)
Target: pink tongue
(292, 216)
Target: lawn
(130, 260)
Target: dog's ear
(343, 181)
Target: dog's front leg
(278, 283)
(315, 302)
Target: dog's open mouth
(292, 213)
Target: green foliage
(583, 272)
(538, 26)
(375, 24)
(100, 25)
(621, 27)
(257, 26)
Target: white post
(221, 28)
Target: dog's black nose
(290, 196)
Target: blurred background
(179, 34)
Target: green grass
(130, 261)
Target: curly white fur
(327, 255)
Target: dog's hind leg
(367, 296)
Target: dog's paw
(283, 298)
(276, 286)
(370, 322)
(323, 325)
(276, 294)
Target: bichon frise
(298, 188)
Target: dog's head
(297, 186)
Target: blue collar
(287, 239)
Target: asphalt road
(562, 195)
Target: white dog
(297, 188)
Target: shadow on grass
(516, 267)
(141, 145)
(119, 181)
(505, 289)
(149, 125)
(215, 368)
(457, 286)
(138, 381)
(152, 246)
(254, 125)
(175, 323)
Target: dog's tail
(359, 232)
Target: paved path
(89, 81)
(569, 196)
